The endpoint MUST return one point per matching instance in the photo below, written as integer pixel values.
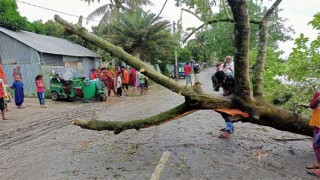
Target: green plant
(47, 94)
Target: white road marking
(156, 173)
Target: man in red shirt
(125, 80)
(187, 72)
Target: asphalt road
(42, 144)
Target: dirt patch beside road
(40, 143)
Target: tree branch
(162, 9)
(241, 56)
(192, 13)
(214, 21)
(119, 126)
(259, 67)
(225, 8)
(271, 10)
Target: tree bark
(259, 67)
(241, 57)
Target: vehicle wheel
(54, 96)
(103, 97)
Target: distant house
(38, 54)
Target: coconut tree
(109, 11)
(142, 34)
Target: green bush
(294, 98)
(47, 94)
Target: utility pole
(175, 55)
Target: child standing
(18, 92)
(40, 90)
(119, 84)
(315, 123)
(142, 81)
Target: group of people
(224, 76)
(188, 72)
(118, 79)
(18, 88)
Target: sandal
(313, 166)
(224, 135)
(315, 172)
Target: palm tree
(112, 9)
(143, 34)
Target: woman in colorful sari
(132, 76)
(110, 81)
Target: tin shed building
(38, 54)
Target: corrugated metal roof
(48, 44)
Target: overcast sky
(299, 13)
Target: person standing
(142, 83)
(196, 71)
(132, 76)
(40, 90)
(3, 93)
(314, 169)
(119, 84)
(18, 92)
(110, 81)
(187, 72)
(220, 79)
(125, 80)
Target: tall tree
(218, 31)
(111, 10)
(141, 34)
(261, 111)
(10, 16)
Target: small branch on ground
(119, 126)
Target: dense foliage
(10, 17)
(303, 69)
(220, 36)
(142, 34)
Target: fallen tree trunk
(261, 112)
